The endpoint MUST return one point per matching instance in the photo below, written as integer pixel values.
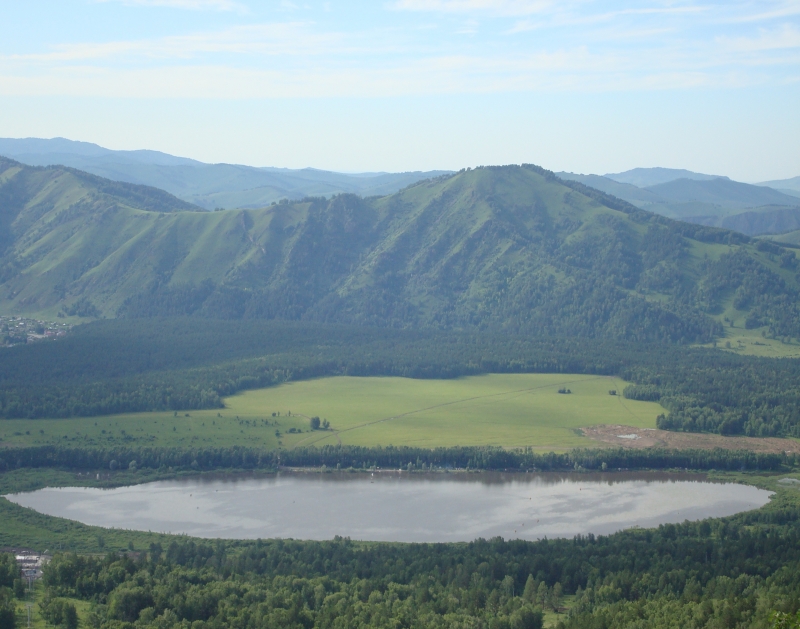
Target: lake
(398, 506)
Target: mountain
(722, 192)
(510, 248)
(719, 202)
(644, 177)
(756, 221)
(208, 185)
(784, 185)
(628, 192)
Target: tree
(315, 423)
(7, 609)
(527, 618)
(555, 597)
(529, 593)
(541, 594)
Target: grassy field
(509, 410)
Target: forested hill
(510, 248)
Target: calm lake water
(397, 506)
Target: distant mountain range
(209, 186)
(511, 248)
(705, 199)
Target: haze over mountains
(769, 208)
(715, 200)
(506, 248)
(209, 186)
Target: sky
(577, 85)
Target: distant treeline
(408, 458)
(173, 364)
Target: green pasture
(509, 410)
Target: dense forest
(729, 573)
(390, 457)
(171, 364)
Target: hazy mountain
(722, 192)
(207, 185)
(628, 192)
(720, 202)
(784, 185)
(512, 248)
(644, 177)
(756, 221)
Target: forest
(186, 363)
(390, 457)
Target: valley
(509, 410)
(489, 322)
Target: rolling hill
(722, 192)
(702, 199)
(208, 185)
(787, 186)
(510, 248)
(644, 177)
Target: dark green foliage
(392, 457)
(9, 571)
(59, 613)
(170, 364)
(7, 609)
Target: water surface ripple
(393, 506)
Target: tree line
(175, 364)
(391, 457)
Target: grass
(34, 598)
(508, 410)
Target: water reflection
(397, 506)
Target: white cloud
(497, 7)
(785, 37)
(194, 5)
(774, 10)
(282, 38)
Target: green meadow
(508, 410)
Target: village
(30, 562)
(19, 330)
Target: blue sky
(579, 85)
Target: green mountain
(504, 248)
(208, 185)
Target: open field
(509, 410)
(632, 437)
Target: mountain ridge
(207, 185)
(510, 248)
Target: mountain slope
(756, 221)
(644, 177)
(628, 192)
(207, 185)
(504, 248)
(722, 192)
(720, 202)
(784, 184)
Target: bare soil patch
(630, 437)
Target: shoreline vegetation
(741, 567)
